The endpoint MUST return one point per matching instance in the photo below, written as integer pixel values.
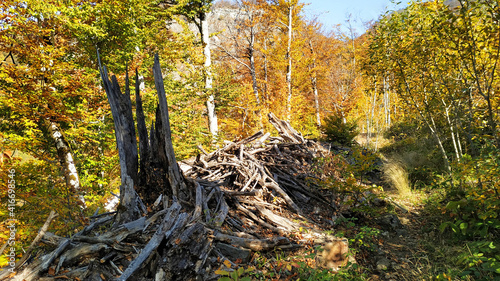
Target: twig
(37, 239)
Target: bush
(339, 132)
(472, 213)
(416, 150)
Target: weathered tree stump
(157, 171)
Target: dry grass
(396, 175)
(376, 142)
(413, 159)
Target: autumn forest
(408, 110)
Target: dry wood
(94, 240)
(51, 239)
(171, 222)
(223, 209)
(240, 193)
(121, 109)
(83, 251)
(38, 237)
(280, 221)
(144, 148)
(201, 149)
(285, 130)
(257, 245)
(174, 176)
(99, 222)
(153, 218)
(256, 218)
(29, 273)
(199, 202)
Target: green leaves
(482, 260)
(337, 130)
(234, 275)
(455, 205)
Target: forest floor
(406, 253)
(397, 245)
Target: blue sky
(332, 12)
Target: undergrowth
(462, 210)
(299, 267)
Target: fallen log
(172, 222)
(38, 237)
(257, 245)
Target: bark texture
(67, 163)
(158, 172)
(205, 39)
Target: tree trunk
(121, 108)
(429, 121)
(432, 127)
(372, 132)
(314, 83)
(159, 172)
(452, 131)
(289, 66)
(253, 73)
(185, 241)
(68, 164)
(205, 40)
(175, 178)
(142, 129)
(250, 65)
(387, 104)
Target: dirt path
(400, 253)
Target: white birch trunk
(315, 85)
(372, 113)
(316, 102)
(68, 164)
(459, 144)
(289, 67)
(429, 121)
(452, 131)
(387, 105)
(205, 38)
(440, 144)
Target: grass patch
(396, 175)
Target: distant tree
(197, 12)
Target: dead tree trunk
(158, 172)
(175, 178)
(121, 108)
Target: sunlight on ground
(375, 141)
(395, 170)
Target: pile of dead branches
(260, 174)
